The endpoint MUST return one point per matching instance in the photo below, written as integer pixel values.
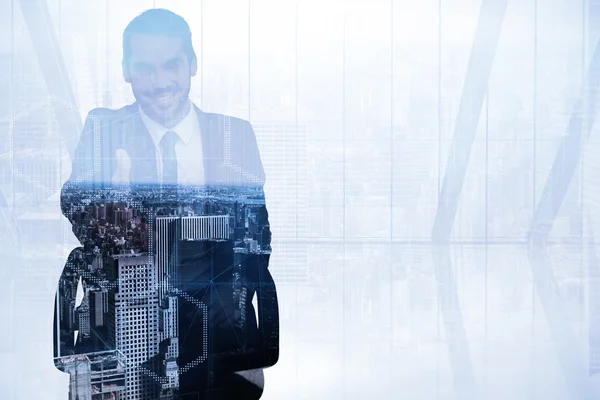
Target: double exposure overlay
(168, 295)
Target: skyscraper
(83, 313)
(98, 305)
(165, 231)
(136, 321)
(169, 229)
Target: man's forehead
(155, 48)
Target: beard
(167, 109)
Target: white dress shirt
(190, 161)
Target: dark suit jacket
(231, 158)
(229, 148)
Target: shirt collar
(184, 129)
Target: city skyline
(131, 289)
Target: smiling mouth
(165, 97)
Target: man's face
(160, 75)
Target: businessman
(168, 204)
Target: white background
(354, 105)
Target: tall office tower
(213, 274)
(66, 313)
(97, 262)
(169, 229)
(168, 318)
(102, 314)
(136, 321)
(203, 272)
(204, 227)
(98, 305)
(118, 217)
(110, 207)
(83, 313)
(102, 212)
(128, 214)
(165, 231)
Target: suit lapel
(139, 146)
(212, 146)
(138, 143)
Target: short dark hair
(162, 22)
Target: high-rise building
(102, 212)
(136, 321)
(205, 227)
(110, 207)
(203, 270)
(83, 312)
(98, 305)
(119, 216)
(165, 231)
(169, 229)
(168, 318)
(97, 263)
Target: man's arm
(64, 307)
(266, 292)
(92, 163)
(82, 168)
(265, 345)
(86, 170)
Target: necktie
(169, 158)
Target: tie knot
(169, 140)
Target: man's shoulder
(104, 113)
(235, 123)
